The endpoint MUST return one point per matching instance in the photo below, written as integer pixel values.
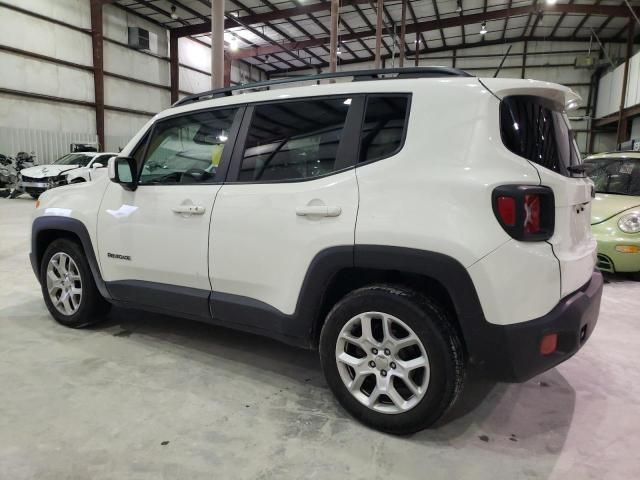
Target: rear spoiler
(503, 87)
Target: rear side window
(293, 140)
(384, 127)
(535, 128)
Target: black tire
(78, 180)
(433, 327)
(93, 307)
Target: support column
(217, 44)
(416, 60)
(174, 62)
(98, 68)
(379, 14)
(333, 47)
(227, 70)
(623, 127)
(403, 31)
(524, 60)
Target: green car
(615, 211)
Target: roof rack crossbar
(358, 75)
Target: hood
(45, 171)
(607, 205)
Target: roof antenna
(504, 57)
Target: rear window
(535, 128)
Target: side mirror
(122, 170)
(97, 165)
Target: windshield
(74, 159)
(620, 176)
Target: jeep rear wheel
(68, 288)
(392, 358)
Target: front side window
(187, 149)
(293, 140)
(384, 127)
(536, 129)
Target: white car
(405, 227)
(71, 168)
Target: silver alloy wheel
(382, 362)
(64, 283)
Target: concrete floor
(146, 397)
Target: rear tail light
(526, 212)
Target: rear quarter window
(536, 129)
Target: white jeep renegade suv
(406, 227)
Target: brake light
(507, 210)
(526, 212)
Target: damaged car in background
(71, 168)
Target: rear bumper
(512, 353)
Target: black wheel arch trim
(44, 224)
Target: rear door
(290, 195)
(537, 129)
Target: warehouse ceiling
(279, 36)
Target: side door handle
(189, 209)
(318, 211)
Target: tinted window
(187, 149)
(535, 129)
(620, 176)
(293, 140)
(384, 125)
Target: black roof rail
(358, 75)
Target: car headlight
(630, 223)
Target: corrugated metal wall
(47, 145)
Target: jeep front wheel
(68, 288)
(392, 358)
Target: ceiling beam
(265, 17)
(449, 48)
(610, 11)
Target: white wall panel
(17, 112)
(194, 54)
(75, 12)
(31, 75)
(121, 127)
(131, 63)
(120, 93)
(633, 84)
(34, 35)
(193, 82)
(610, 89)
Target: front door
(153, 242)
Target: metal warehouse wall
(46, 126)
